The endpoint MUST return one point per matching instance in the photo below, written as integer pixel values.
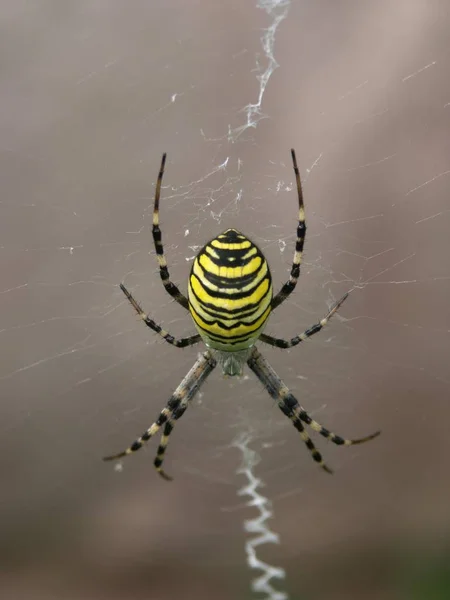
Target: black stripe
(232, 339)
(224, 256)
(218, 321)
(231, 282)
(219, 313)
(236, 295)
(157, 239)
(235, 311)
(232, 236)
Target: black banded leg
(160, 453)
(179, 343)
(164, 415)
(289, 286)
(280, 343)
(168, 428)
(179, 399)
(329, 435)
(291, 408)
(170, 287)
(287, 410)
(276, 387)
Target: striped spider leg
(290, 284)
(292, 409)
(169, 286)
(174, 409)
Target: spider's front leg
(169, 286)
(176, 406)
(290, 284)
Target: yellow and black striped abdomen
(230, 292)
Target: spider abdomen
(230, 292)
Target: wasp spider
(230, 299)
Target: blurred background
(92, 94)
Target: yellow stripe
(225, 317)
(216, 329)
(233, 246)
(224, 234)
(229, 272)
(227, 303)
(216, 288)
(252, 251)
(212, 252)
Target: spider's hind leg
(175, 407)
(292, 409)
(329, 435)
(168, 428)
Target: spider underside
(230, 299)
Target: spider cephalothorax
(230, 298)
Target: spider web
(92, 98)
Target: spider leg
(176, 405)
(179, 343)
(289, 286)
(280, 343)
(275, 387)
(292, 409)
(170, 287)
(168, 428)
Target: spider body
(230, 293)
(230, 298)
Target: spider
(230, 299)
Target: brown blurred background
(92, 94)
